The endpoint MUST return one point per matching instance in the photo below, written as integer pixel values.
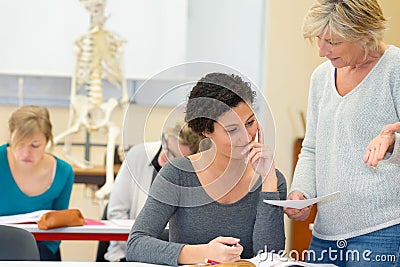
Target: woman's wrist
(270, 181)
(270, 187)
(192, 254)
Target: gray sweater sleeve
(269, 232)
(143, 243)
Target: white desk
(109, 231)
(75, 264)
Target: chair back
(17, 244)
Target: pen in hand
(212, 262)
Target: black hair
(213, 95)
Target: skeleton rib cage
(99, 55)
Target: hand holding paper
(299, 204)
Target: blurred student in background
(32, 179)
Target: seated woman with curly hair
(213, 200)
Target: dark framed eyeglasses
(165, 148)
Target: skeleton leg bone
(105, 190)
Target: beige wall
(290, 62)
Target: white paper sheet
(125, 223)
(299, 204)
(31, 217)
(274, 260)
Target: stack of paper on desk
(31, 217)
(34, 217)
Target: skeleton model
(98, 57)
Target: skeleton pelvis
(93, 117)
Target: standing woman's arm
(384, 146)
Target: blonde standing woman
(353, 95)
(32, 179)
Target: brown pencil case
(61, 218)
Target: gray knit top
(339, 130)
(177, 197)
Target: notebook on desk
(34, 217)
(30, 217)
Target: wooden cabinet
(301, 233)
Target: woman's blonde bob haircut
(185, 136)
(28, 120)
(353, 20)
